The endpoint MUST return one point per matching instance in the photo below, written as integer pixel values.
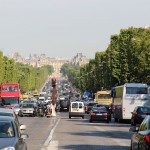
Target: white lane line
(47, 142)
(53, 145)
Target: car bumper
(99, 118)
(74, 114)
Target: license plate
(98, 114)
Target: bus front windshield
(136, 90)
(10, 101)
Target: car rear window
(74, 105)
(143, 110)
(92, 104)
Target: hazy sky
(62, 28)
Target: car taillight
(105, 114)
(109, 108)
(135, 114)
(147, 137)
(92, 114)
(114, 108)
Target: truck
(103, 97)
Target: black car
(64, 104)
(139, 113)
(99, 114)
(108, 107)
(141, 139)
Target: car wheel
(69, 117)
(82, 117)
(107, 121)
(90, 120)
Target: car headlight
(8, 148)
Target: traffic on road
(81, 122)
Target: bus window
(136, 90)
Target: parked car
(139, 113)
(76, 109)
(99, 114)
(140, 140)
(28, 109)
(10, 135)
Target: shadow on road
(94, 147)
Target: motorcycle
(48, 112)
(41, 112)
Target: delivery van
(76, 109)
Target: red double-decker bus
(10, 94)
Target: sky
(63, 28)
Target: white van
(76, 109)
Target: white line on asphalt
(53, 145)
(48, 140)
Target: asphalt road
(62, 133)
(79, 134)
(38, 129)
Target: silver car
(10, 135)
(27, 109)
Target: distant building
(79, 60)
(42, 60)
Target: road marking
(48, 140)
(53, 145)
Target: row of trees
(127, 59)
(28, 77)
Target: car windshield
(6, 129)
(9, 101)
(27, 106)
(104, 96)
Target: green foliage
(127, 59)
(28, 77)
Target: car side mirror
(133, 129)
(24, 136)
(22, 127)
